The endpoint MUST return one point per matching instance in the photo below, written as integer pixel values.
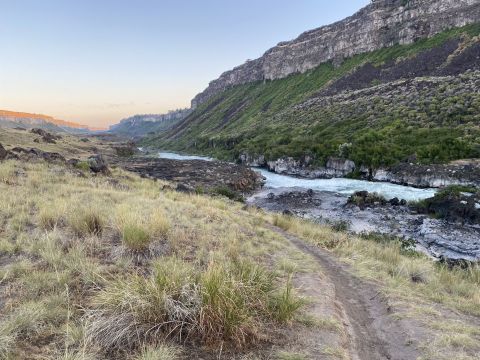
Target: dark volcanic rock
(185, 188)
(296, 199)
(466, 172)
(3, 152)
(425, 63)
(452, 206)
(197, 174)
(35, 154)
(46, 136)
(394, 202)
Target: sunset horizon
(112, 60)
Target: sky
(98, 61)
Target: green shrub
(227, 192)
(83, 165)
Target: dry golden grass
(96, 266)
(69, 145)
(93, 266)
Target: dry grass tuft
(161, 352)
(87, 220)
(52, 215)
(224, 302)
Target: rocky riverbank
(196, 175)
(439, 238)
(464, 173)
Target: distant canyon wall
(381, 24)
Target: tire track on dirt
(374, 333)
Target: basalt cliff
(13, 119)
(384, 95)
(381, 24)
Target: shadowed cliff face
(381, 24)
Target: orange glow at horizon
(93, 115)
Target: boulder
(35, 154)
(363, 199)
(98, 164)
(51, 156)
(46, 136)
(3, 152)
(394, 202)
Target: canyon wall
(380, 24)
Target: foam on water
(347, 186)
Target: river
(340, 186)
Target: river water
(338, 185)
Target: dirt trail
(374, 333)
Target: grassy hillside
(96, 267)
(121, 267)
(70, 146)
(141, 125)
(438, 120)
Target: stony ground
(436, 237)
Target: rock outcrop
(98, 164)
(197, 174)
(33, 154)
(465, 173)
(381, 24)
(461, 172)
(335, 167)
(45, 136)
